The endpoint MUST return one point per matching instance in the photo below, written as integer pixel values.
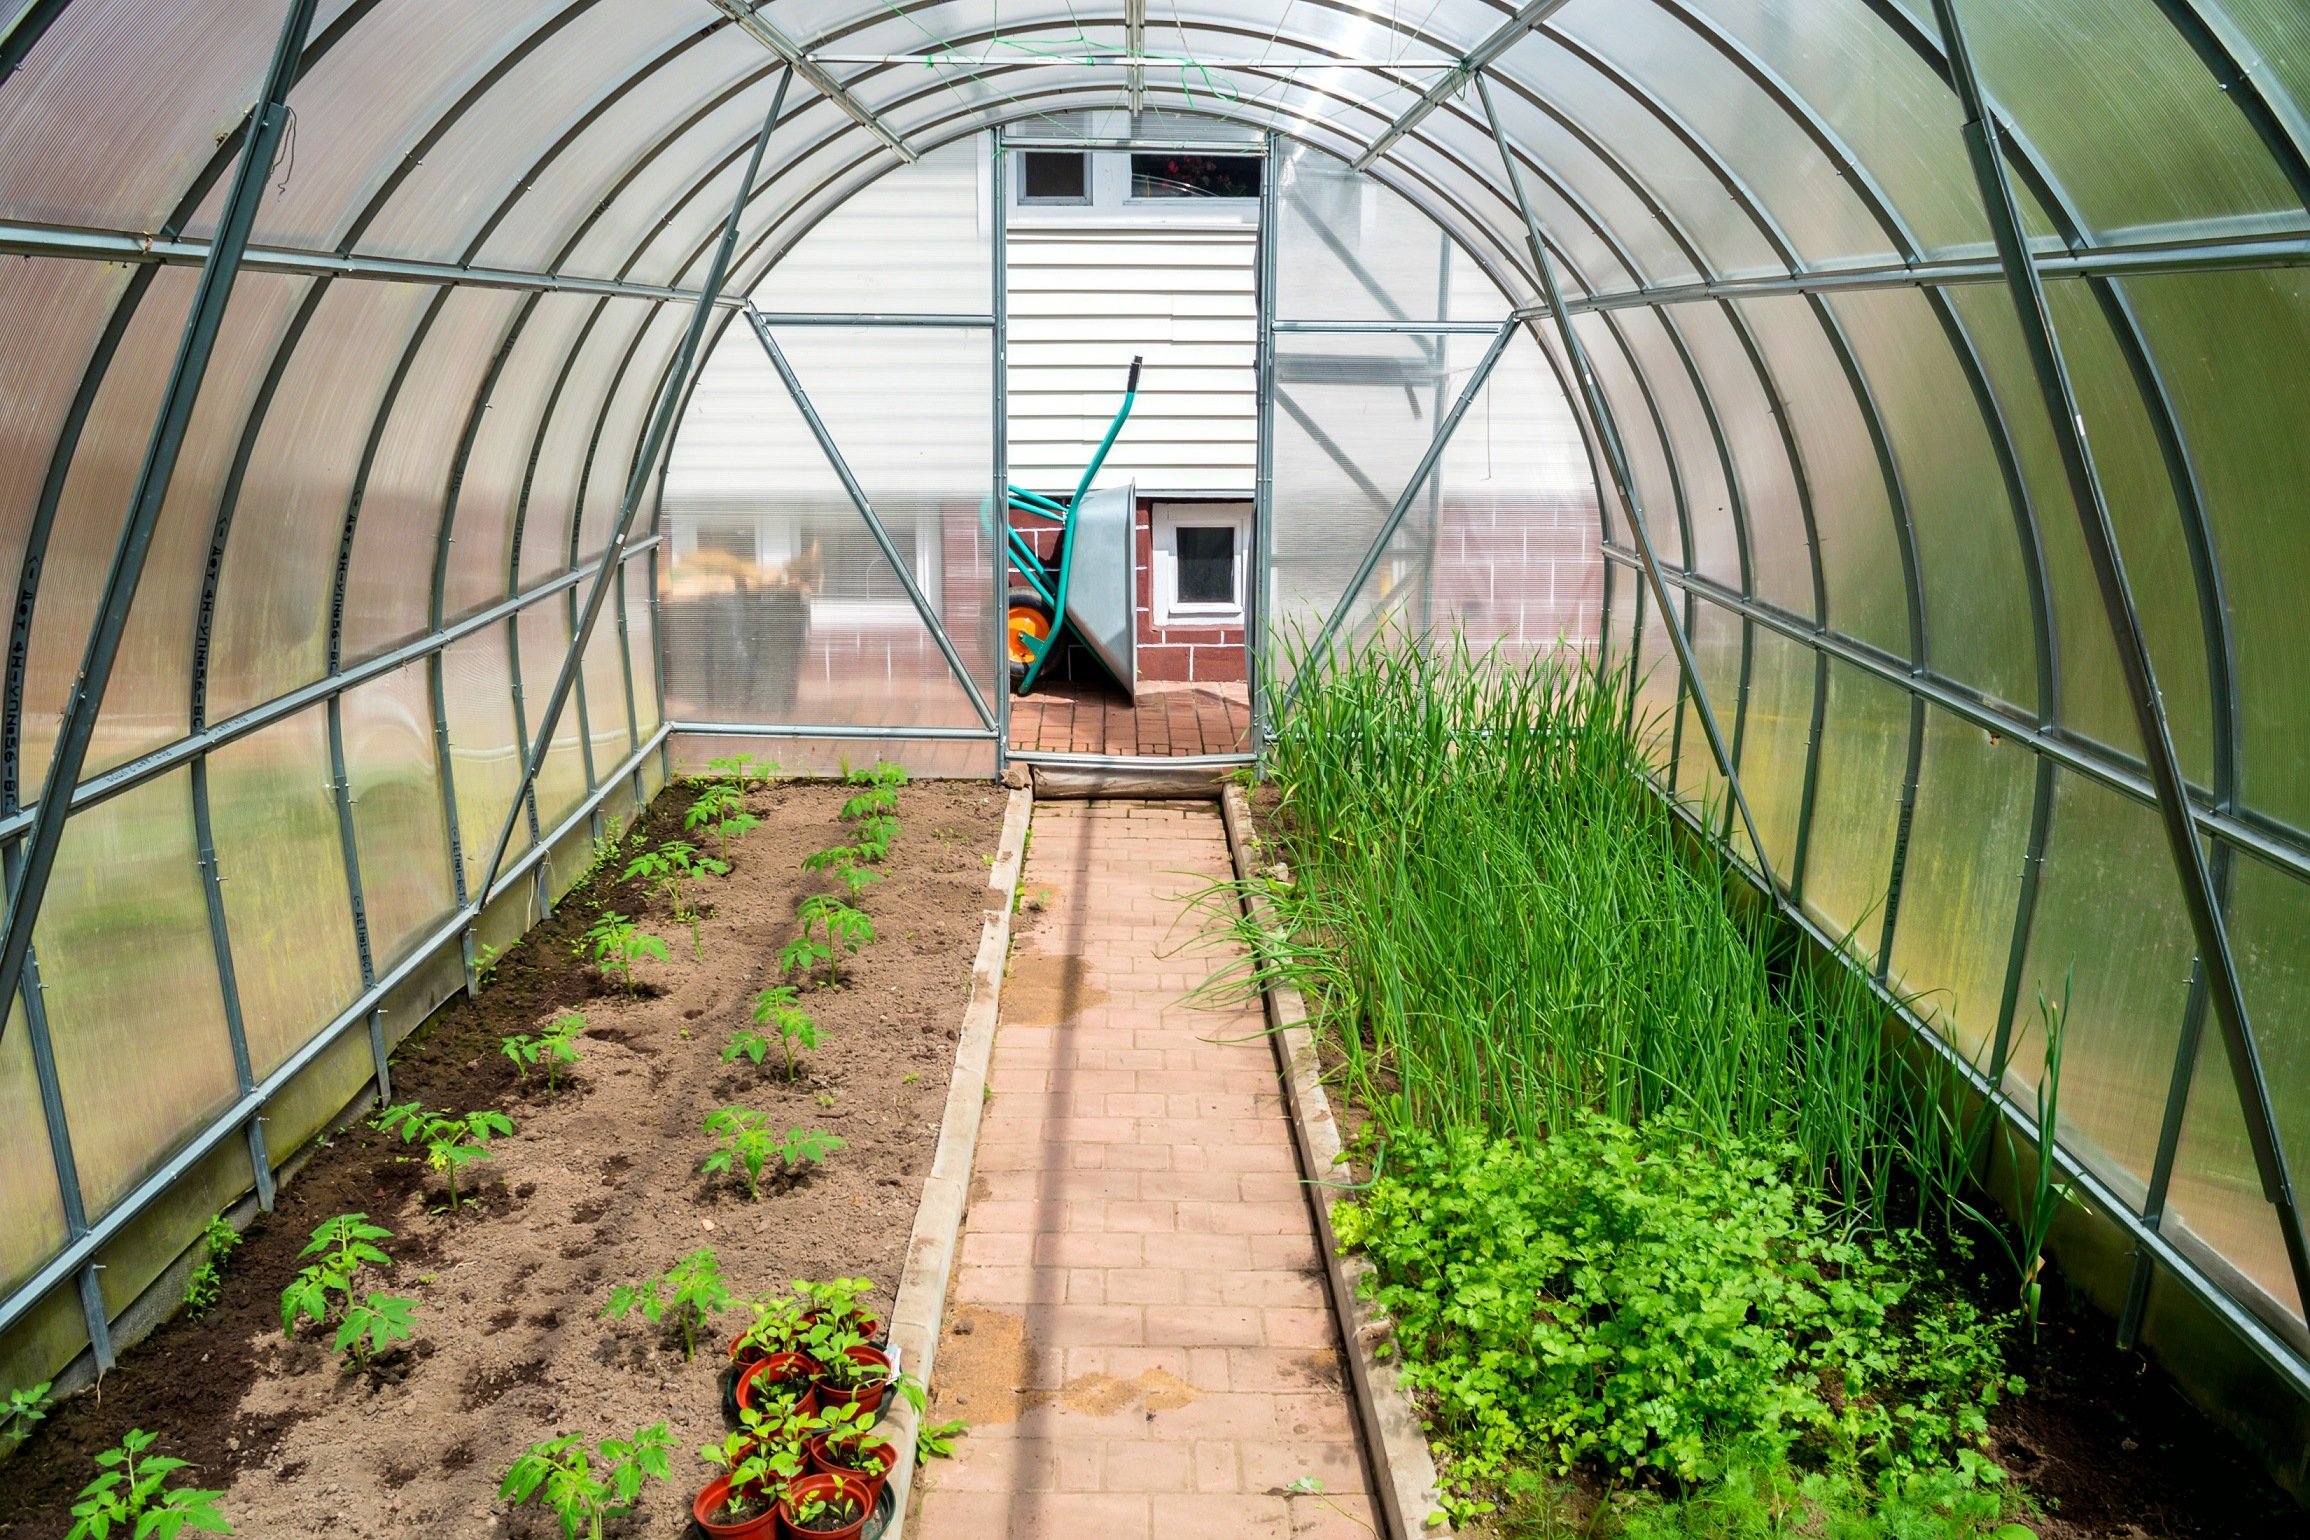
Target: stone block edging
(930, 1249)
(1408, 1498)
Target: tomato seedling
(345, 1245)
(22, 1409)
(373, 1324)
(846, 930)
(616, 944)
(554, 1047)
(131, 1493)
(748, 771)
(775, 1007)
(721, 809)
(748, 1146)
(586, 1485)
(452, 1141)
(692, 1289)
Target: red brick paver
(1138, 1332)
(1167, 720)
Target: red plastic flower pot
(840, 1488)
(880, 1456)
(707, 1506)
(789, 1369)
(867, 1397)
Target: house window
(1202, 560)
(1167, 174)
(1054, 176)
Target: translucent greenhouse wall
(1949, 395)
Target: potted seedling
(748, 1146)
(615, 943)
(131, 1497)
(554, 1047)
(852, 1371)
(452, 1141)
(846, 1445)
(742, 1502)
(826, 1506)
(692, 1289)
(777, 1327)
(835, 1304)
(778, 1386)
(586, 1485)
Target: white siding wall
(1084, 298)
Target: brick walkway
(1138, 1334)
(1169, 719)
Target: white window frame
(1169, 519)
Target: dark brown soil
(2102, 1441)
(598, 1186)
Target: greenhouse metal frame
(1823, 282)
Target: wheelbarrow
(1087, 587)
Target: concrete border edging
(930, 1249)
(1408, 1496)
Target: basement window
(1054, 176)
(1202, 558)
(1165, 174)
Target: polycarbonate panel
(1860, 552)
(1801, 188)
(2272, 39)
(1621, 584)
(485, 754)
(2132, 125)
(1864, 756)
(618, 441)
(389, 587)
(445, 203)
(676, 185)
(1659, 486)
(52, 315)
(1977, 621)
(642, 654)
(562, 196)
(31, 1213)
(1659, 687)
(1715, 636)
(397, 817)
(1961, 881)
(778, 606)
(1498, 546)
(919, 239)
(129, 978)
(2111, 930)
(544, 641)
(1775, 735)
(1349, 249)
(1580, 87)
(86, 533)
(1780, 550)
(1700, 460)
(365, 105)
(122, 102)
(604, 683)
(550, 497)
(2217, 1190)
(489, 491)
(2139, 488)
(271, 629)
(281, 868)
(2231, 347)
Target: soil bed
(2102, 1439)
(598, 1186)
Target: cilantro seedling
(24, 1408)
(586, 1485)
(692, 1289)
(205, 1284)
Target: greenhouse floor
(1138, 1332)
(1168, 720)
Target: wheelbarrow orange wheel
(1028, 627)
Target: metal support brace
(1508, 34)
(750, 21)
(999, 504)
(1256, 651)
(858, 500)
(1135, 45)
(637, 486)
(2218, 966)
(1404, 500)
(228, 976)
(1624, 481)
(202, 323)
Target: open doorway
(1118, 253)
